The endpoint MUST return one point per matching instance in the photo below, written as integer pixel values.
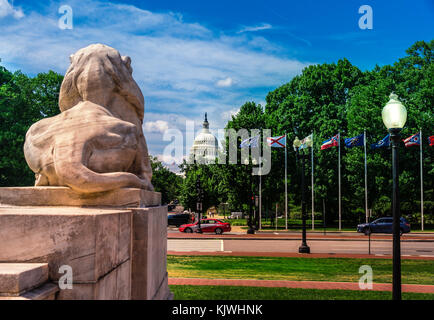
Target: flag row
(357, 141)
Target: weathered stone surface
(47, 291)
(92, 241)
(17, 278)
(113, 253)
(96, 143)
(149, 260)
(64, 196)
(115, 285)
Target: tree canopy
(324, 99)
(23, 101)
(338, 97)
(165, 181)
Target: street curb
(294, 255)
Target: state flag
(413, 140)
(385, 142)
(304, 142)
(250, 142)
(356, 141)
(277, 142)
(332, 142)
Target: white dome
(205, 145)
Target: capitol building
(205, 146)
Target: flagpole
(339, 182)
(286, 184)
(421, 181)
(260, 198)
(313, 193)
(366, 178)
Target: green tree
(211, 183)
(412, 79)
(23, 101)
(165, 181)
(313, 102)
(238, 179)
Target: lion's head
(96, 73)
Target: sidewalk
(297, 284)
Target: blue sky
(191, 57)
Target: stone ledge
(45, 292)
(64, 196)
(16, 278)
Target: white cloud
(227, 115)
(167, 159)
(7, 9)
(156, 126)
(225, 82)
(260, 27)
(181, 66)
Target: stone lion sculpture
(96, 143)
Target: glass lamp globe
(394, 113)
(296, 143)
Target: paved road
(173, 233)
(423, 248)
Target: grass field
(256, 293)
(279, 268)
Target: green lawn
(260, 293)
(279, 268)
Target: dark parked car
(383, 225)
(178, 219)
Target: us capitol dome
(205, 146)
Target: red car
(207, 225)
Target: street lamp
(394, 117)
(199, 191)
(251, 230)
(251, 223)
(304, 248)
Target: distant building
(205, 146)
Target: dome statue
(205, 145)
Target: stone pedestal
(114, 253)
(63, 196)
(149, 259)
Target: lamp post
(394, 117)
(258, 199)
(199, 191)
(304, 248)
(256, 212)
(251, 229)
